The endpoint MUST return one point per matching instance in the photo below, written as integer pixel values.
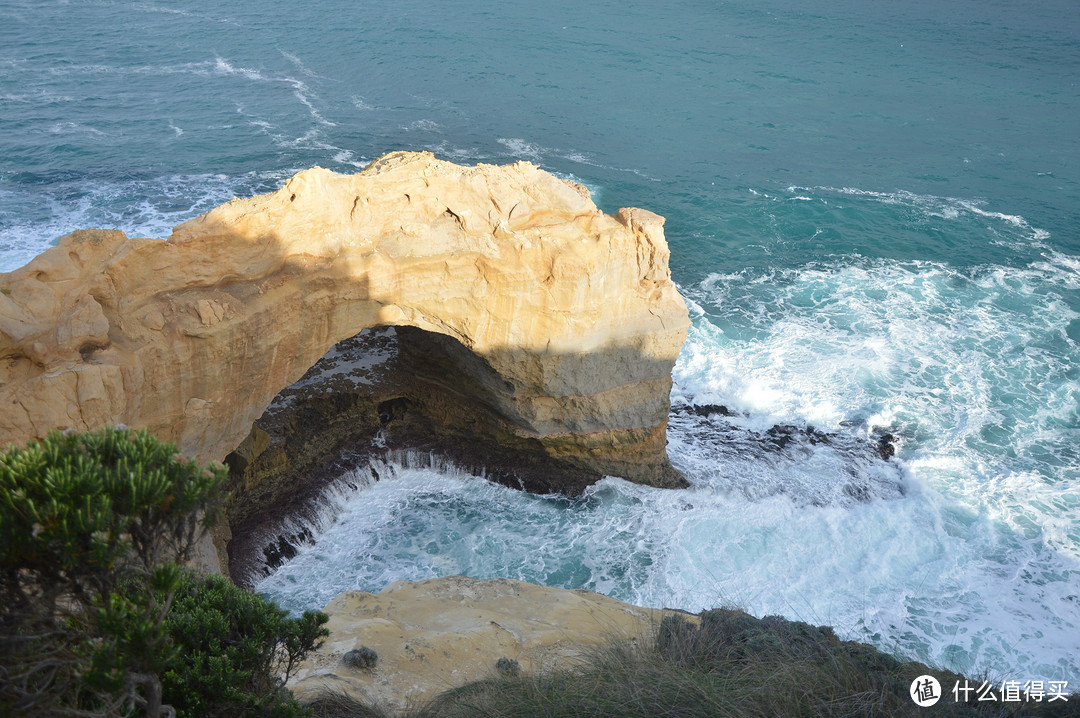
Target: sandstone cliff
(548, 327)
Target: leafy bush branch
(96, 613)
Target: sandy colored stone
(571, 312)
(438, 634)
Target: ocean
(873, 211)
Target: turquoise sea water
(873, 208)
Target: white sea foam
(900, 573)
(521, 148)
(299, 63)
(75, 128)
(932, 205)
(455, 153)
(303, 93)
(422, 125)
(145, 7)
(840, 335)
(1063, 267)
(360, 104)
(346, 157)
(312, 139)
(963, 553)
(221, 66)
(39, 96)
(141, 208)
(318, 516)
(693, 307)
(218, 67)
(973, 371)
(527, 150)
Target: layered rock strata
(435, 635)
(537, 327)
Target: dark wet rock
(704, 410)
(285, 548)
(886, 446)
(811, 465)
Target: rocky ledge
(415, 640)
(537, 332)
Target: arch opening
(389, 391)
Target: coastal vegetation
(99, 617)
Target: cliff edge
(434, 635)
(547, 327)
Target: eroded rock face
(434, 635)
(560, 323)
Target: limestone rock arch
(568, 317)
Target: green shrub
(362, 658)
(89, 524)
(236, 651)
(507, 667)
(97, 617)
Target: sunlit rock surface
(434, 635)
